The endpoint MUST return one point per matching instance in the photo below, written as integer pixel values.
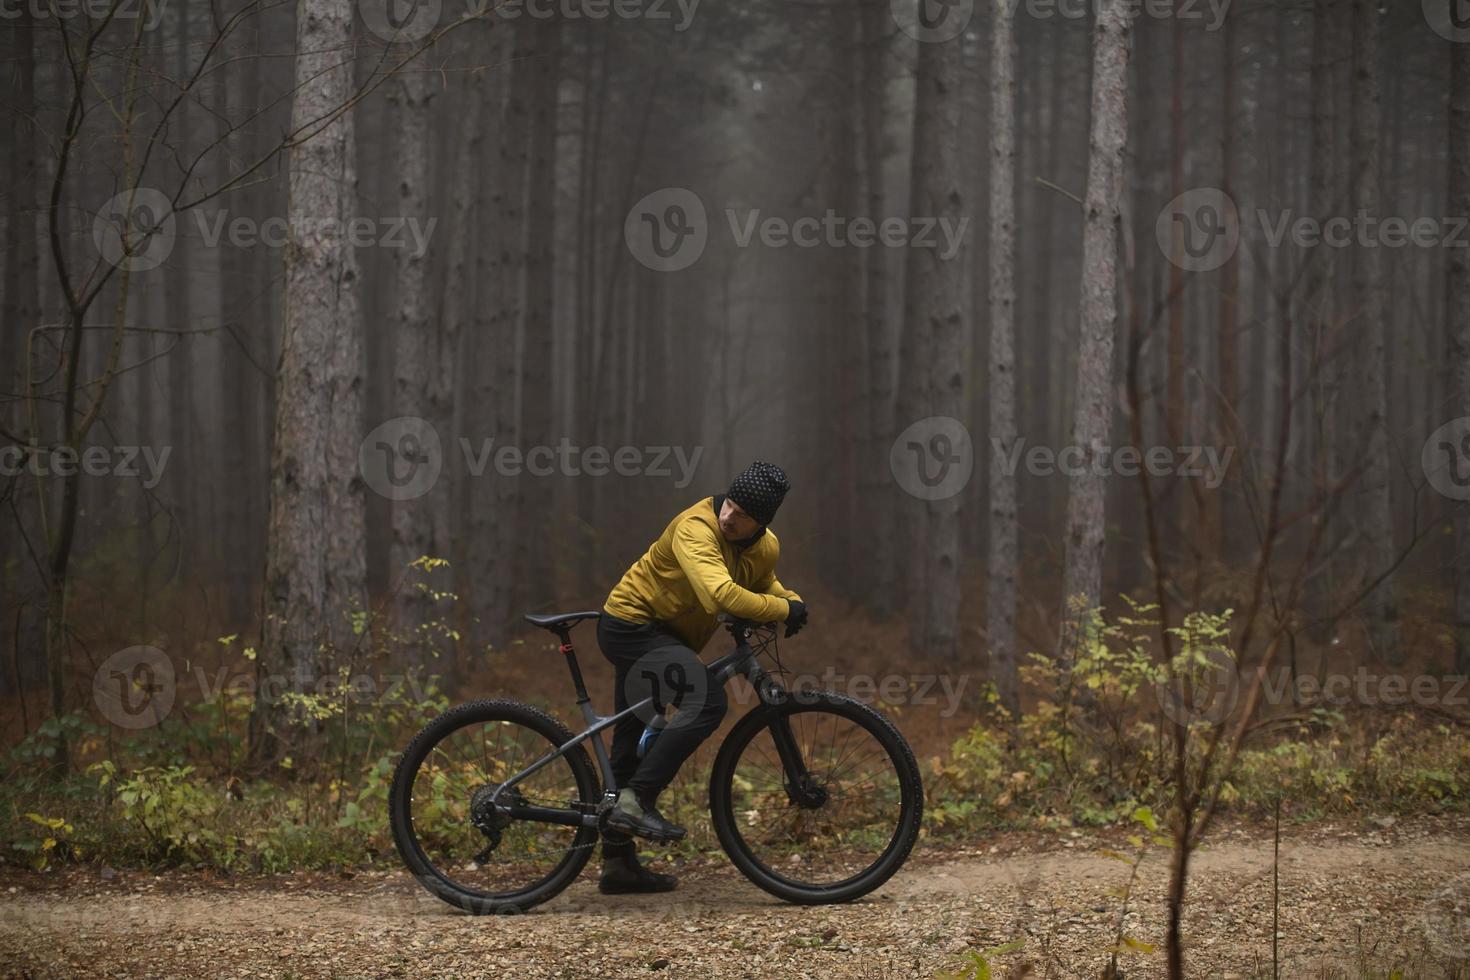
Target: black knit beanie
(759, 490)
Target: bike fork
(801, 787)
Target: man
(717, 556)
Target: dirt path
(1350, 896)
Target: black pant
(652, 661)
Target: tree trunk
(934, 322)
(455, 370)
(1457, 321)
(1317, 297)
(1092, 419)
(316, 386)
(20, 314)
(413, 358)
(1219, 521)
(533, 536)
(237, 382)
(879, 488)
(1004, 532)
(346, 493)
(1368, 350)
(179, 315)
(500, 264)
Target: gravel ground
(1355, 900)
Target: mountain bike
(495, 806)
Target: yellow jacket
(692, 572)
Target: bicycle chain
(600, 808)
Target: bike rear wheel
(467, 851)
(851, 823)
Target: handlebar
(740, 628)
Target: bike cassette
(489, 816)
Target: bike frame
(742, 660)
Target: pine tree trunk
(20, 314)
(1004, 531)
(934, 322)
(534, 528)
(308, 574)
(500, 265)
(1318, 291)
(346, 590)
(179, 315)
(1371, 393)
(1092, 419)
(1219, 520)
(455, 371)
(1457, 321)
(878, 483)
(413, 356)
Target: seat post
(571, 654)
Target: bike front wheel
(817, 800)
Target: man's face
(736, 524)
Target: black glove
(796, 618)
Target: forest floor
(1356, 899)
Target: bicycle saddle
(556, 621)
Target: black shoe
(623, 875)
(631, 816)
